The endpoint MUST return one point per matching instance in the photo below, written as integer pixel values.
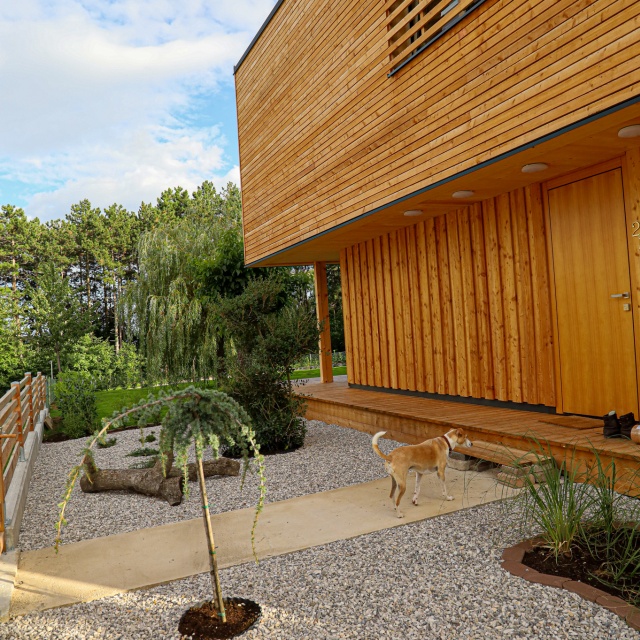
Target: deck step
(501, 454)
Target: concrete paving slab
(8, 571)
(94, 569)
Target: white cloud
(98, 98)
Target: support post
(322, 310)
(15, 386)
(29, 399)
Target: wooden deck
(413, 419)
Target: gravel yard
(439, 578)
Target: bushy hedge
(75, 397)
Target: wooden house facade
(474, 167)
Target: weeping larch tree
(194, 417)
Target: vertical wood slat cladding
(466, 304)
(325, 136)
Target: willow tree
(175, 322)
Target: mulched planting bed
(579, 566)
(202, 622)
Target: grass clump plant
(580, 517)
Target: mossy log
(151, 481)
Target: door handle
(620, 295)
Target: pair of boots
(615, 427)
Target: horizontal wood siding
(325, 135)
(469, 303)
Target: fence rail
(19, 409)
(312, 360)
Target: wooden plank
(385, 380)
(457, 305)
(416, 306)
(346, 313)
(439, 373)
(526, 311)
(405, 300)
(390, 309)
(482, 302)
(365, 295)
(355, 318)
(446, 314)
(400, 342)
(469, 305)
(541, 294)
(375, 323)
(509, 298)
(496, 308)
(426, 328)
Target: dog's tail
(376, 448)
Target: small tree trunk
(213, 563)
(152, 482)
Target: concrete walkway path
(101, 567)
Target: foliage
(315, 373)
(56, 317)
(96, 357)
(107, 442)
(578, 507)
(176, 325)
(11, 362)
(557, 506)
(336, 317)
(194, 417)
(269, 335)
(75, 396)
(144, 451)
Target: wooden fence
(19, 410)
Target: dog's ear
(459, 433)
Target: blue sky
(117, 100)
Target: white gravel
(440, 578)
(332, 457)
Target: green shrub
(143, 452)
(75, 396)
(97, 358)
(269, 335)
(107, 442)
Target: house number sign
(635, 229)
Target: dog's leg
(444, 484)
(393, 487)
(402, 487)
(417, 489)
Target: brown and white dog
(431, 455)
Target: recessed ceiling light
(413, 212)
(534, 167)
(462, 194)
(632, 131)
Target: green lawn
(113, 400)
(315, 373)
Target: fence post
(16, 389)
(30, 398)
(41, 392)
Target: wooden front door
(591, 266)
